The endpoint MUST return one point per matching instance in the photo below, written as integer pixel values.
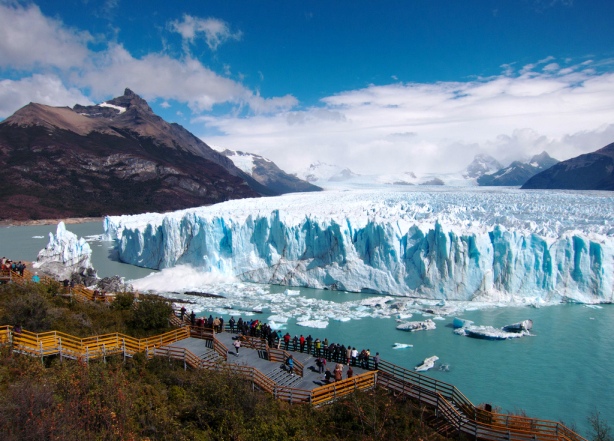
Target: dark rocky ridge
(97, 160)
(591, 171)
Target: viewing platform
(450, 412)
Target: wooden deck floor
(257, 359)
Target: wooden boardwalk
(258, 358)
(200, 348)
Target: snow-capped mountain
(481, 165)
(267, 172)
(460, 244)
(321, 172)
(518, 172)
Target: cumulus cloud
(566, 111)
(28, 39)
(161, 76)
(212, 30)
(43, 89)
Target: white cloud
(161, 76)
(43, 89)
(214, 31)
(28, 39)
(508, 117)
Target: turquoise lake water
(562, 373)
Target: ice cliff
(443, 244)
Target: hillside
(591, 171)
(116, 157)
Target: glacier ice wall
(455, 245)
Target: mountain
(322, 172)
(591, 171)
(115, 157)
(517, 173)
(267, 173)
(481, 165)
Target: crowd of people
(324, 351)
(7, 265)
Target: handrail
(332, 391)
(59, 343)
(442, 396)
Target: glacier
(434, 243)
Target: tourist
(338, 373)
(309, 340)
(290, 364)
(182, 313)
(327, 376)
(376, 361)
(287, 340)
(302, 343)
(35, 278)
(192, 318)
(321, 363)
(231, 322)
(295, 343)
(318, 347)
(354, 356)
(350, 372)
(348, 355)
(367, 355)
(237, 345)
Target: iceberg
(426, 325)
(502, 245)
(427, 364)
(402, 346)
(489, 333)
(67, 257)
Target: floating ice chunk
(427, 364)
(320, 324)
(461, 323)
(488, 333)
(425, 325)
(38, 237)
(402, 346)
(291, 292)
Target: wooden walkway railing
(43, 344)
(450, 404)
(447, 401)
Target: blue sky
(379, 86)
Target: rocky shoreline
(70, 220)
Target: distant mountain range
(117, 157)
(518, 172)
(591, 171)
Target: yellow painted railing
(65, 345)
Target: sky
(377, 86)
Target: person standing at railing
(231, 323)
(192, 318)
(302, 343)
(182, 313)
(317, 347)
(376, 361)
(287, 340)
